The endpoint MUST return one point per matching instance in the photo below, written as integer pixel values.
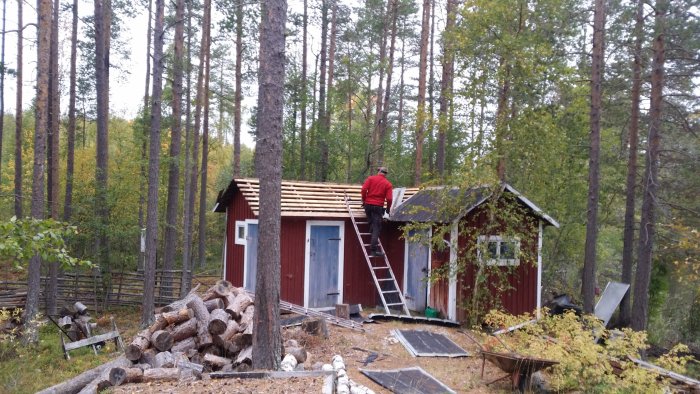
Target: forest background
(440, 92)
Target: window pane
(493, 250)
(507, 250)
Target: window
(497, 250)
(240, 234)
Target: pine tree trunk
(304, 96)
(205, 144)
(431, 90)
(103, 14)
(588, 281)
(53, 149)
(186, 278)
(392, 14)
(39, 170)
(376, 144)
(445, 88)
(2, 78)
(420, 113)
(175, 142)
(631, 187)
(144, 138)
(70, 150)
(153, 169)
(647, 225)
(322, 134)
(18, 114)
(239, 93)
(402, 92)
(194, 174)
(329, 98)
(267, 338)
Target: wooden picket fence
(97, 291)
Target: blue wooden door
(251, 258)
(417, 258)
(324, 266)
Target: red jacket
(375, 190)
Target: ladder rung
(395, 304)
(390, 291)
(380, 268)
(384, 279)
(361, 222)
(365, 233)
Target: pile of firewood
(75, 321)
(189, 337)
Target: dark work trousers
(374, 214)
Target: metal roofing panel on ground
(428, 344)
(412, 380)
(612, 295)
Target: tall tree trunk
(194, 174)
(144, 137)
(153, 169)
(239, 93)
(103, 14)
(39, 171)
(445, 88)
(588, 280)
(186, 279)
(267, 338)
(402, 92)
(175, 142)
(376, 144)
(304, 96)
(502, 119)
(329, 98)
(53, 152)
(420, 113)
(205, 145)
(392, 15)
(70, 151)
(431, 90)
(322, 134)
(631, 187)
(18, 114)
(647, 225)
(2, 78)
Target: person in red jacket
(375, 191)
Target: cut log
(162, 340)
(245, 356)
(214, 303)
(182, 364)
(179, 316)
(342, 311)
(142, 367)
(138, 345)
(148, 356)
(100, 383)
(231, 329)
(218, 321)
(316, 327)
(185, 330)
(299, 353)
(179, 304)
(216, 291)
(215, 362)
(65, 322)
(210, 349)
(80, 308)
(118, 376)
(161, 374)
(202, 315)
(239, 305)
(159, 324)
(77, 383)
(164, 360)
(246, 321)
(184, 345)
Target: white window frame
(240, 225)
(245, 249)
(485, 239)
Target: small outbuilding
(323, 262)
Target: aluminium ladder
(379, 266)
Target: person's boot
(377, 253)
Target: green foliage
(21, 239)
(584, 366)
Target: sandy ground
(461, 374)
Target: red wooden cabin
(323, 262)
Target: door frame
(307, 255)
(245, 249)
(430, 267)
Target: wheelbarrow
(518, 368)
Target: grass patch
(28, 369)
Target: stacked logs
(190, 337)
(75, 321)
(208, 333)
